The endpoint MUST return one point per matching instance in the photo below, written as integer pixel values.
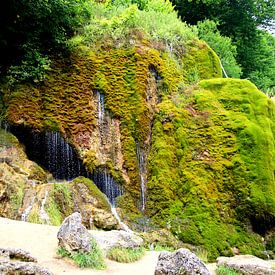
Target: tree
(240, 20)
(36, 25)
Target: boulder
(182, 261)
(14, 267)
(73, 236)
(116, 238)
(247, 264)
(17, 254)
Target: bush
(121, 21)
(125, 255)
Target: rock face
(247, 264)
(73, 236)
(116, 238)
(182, 261)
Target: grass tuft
(224, 270)
(94, 259)
(125, 255)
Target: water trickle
(42, 213)
(28, 209)
(101, 116)
(123, 225)
(142, 174)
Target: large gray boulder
(180, 262)
(247, 265)
(73, 236)
(116, 238)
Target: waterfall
(61, 160)
(101, 115)
(142, 174)
(28, 209)
(107, 184)
(42, 213)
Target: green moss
(7, 139)
(95, 192)
(200, 62)
(53, 210)
(16, 198)
(212, 166)
(34, 216)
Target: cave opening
(53, 153)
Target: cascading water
(28, 209)
(142, 174)
(107, 184)
(42, 213)
(101, 115)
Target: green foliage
(33, 68)
(224, 270)
(31, 30)
(125, 255)
(94, 259)
(124, 22)
(260, 61)
(222, 45)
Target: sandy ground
(41, 242)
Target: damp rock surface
(248, 265)
(73, 236)
(182, 261)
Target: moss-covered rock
(208, 146)
(211, 178)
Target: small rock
(17, 254)
(116, 238)
(182, 261)
(73, 236)
(247, 264)
(14, 267)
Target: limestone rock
(17, 254)
(116, 238)
(103, 219)
(247, 264)
(73, 236)
(182, 261)
(14, 267)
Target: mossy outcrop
(208, 146)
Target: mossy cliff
(208, 145)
